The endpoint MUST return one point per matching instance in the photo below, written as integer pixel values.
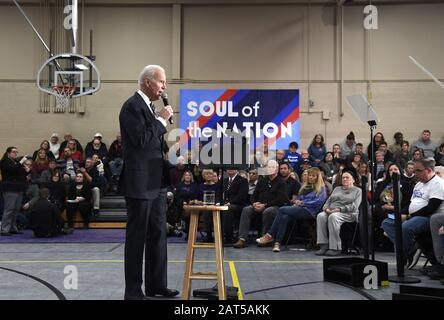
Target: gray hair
(149, 72)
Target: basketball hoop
(62, 94)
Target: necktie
(153, 108)
(230, 181)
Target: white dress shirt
(148, 103)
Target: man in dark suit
(142, 184)
(236, 197)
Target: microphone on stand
(164, 97)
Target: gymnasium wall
(255, 45)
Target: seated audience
(397, 146)
(342, 206)
(40, 164)
(377, 139)
(235, 197)
(96, 146)
(54, 145)
(270, 194)
(427, 199)
(46, 174)
(402, 156)
(306, 206)
(348, 145)
(115, 158)
(426, 144)
(329, 166)
(79, 198)
(292, 154)
(67, 137)
(67, 165)
(44, 146)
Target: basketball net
(63, 94)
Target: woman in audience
(306, 206)
(45, 146)
(342, 206)
(356, 161)
(13, 186)
(337, 178)
(329, 166)
(186, 190)
(402, 156)
(57, 190)
(384, 201)
(40, 164)
(377, 139)
(75, 154)
(418, 154)
(317, 149)
(79, 198)
(364, 171)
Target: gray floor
(291, 274)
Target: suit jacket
(142, 137)
(238, 192)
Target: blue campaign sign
(270, 116)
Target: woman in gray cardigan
(342, 206)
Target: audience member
(79, 198)
(348, 145)
(44, 146)
(426, 144)
(292, 154)
(306, 206)
(96, 146)
(45, 218)
(67, 137)
(115, 158)
(270, 193)
(54, 145)
(317, 149)
(399, 139)
(402, 156)
(342, 206)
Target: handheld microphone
(164, 97)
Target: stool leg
(219, 256)
(189, 259)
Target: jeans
(116, 166)
(284, 216)
(410, 228)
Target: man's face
(421, 172)
(231, 172)
(405, 147)
(399, 138)
(379, 157)
(67, 153)
(284, 171)
(280, 154)
(89, 163)
(358, 149)
(410, 169)
(67, 136)
(305, 155)
(382, 147)
(272, 168)
(54, 140)
(426, 136)
(253, 175)
(156, 86)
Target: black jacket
(44, 216)
(142, 138)
(271, 193)
(85, 192)
(13, 175)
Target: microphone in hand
(164, 97)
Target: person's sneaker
(241, 243)
(277, 247)
(333, 253)
(322, 250)
(264, 240)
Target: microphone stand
(399, 278)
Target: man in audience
(47, 174)
(115, 158)
(68, 166)
(45, 218)
(409, 173)
(235, 197)
(252, 182)
(91, 176)
(269, 195)
(426, 144)
(96, 146)
(427, 199)
(292, 155)
(359, 149)
(388, 156)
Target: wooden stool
(192, 246)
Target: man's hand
(166, 112)
(297, 203)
